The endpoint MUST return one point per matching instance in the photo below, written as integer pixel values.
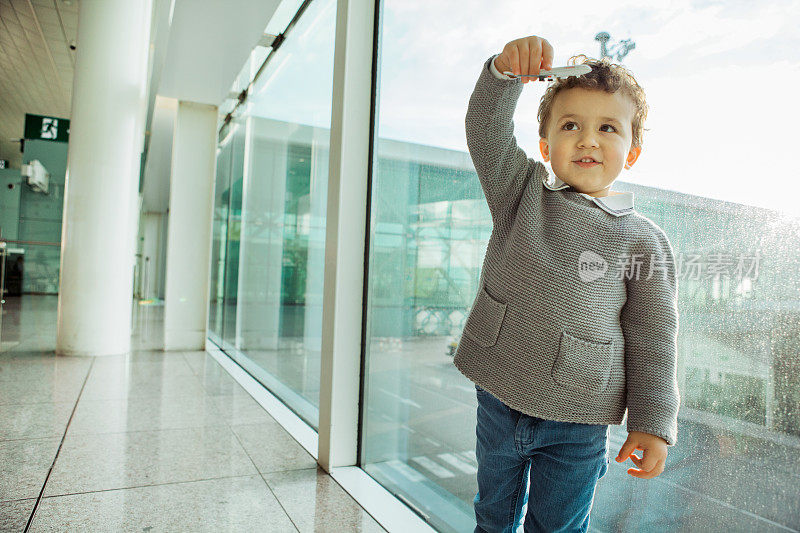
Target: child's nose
(588, 138)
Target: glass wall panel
(229, 152)
(279, 232)
(233, 239)
(219, 243)
(710, 174)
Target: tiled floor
(151, 441)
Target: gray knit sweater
(576, 318)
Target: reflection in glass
(233, 196)
(219, 242)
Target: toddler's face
(589, 124)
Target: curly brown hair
(605, 76)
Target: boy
(576, 316)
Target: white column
(154, 231)
(98, 237)
(345, 233)
(191, 198)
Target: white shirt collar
(618, 204)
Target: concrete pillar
(191, 198)
(98, 238)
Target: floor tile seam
(197, 375)
(179, 395)
(290, 469)
(223, 425)
(82, 433)
(37, 377)
(261, 475)
(145, 358)
(205, 390)
(280, 503)
(37, 363)
(13, 500)
(223, 372)
(247, 393)
(153, 399)
(58, 450)
(187, 362)
(52, 353)
(106, 433)
(30, 403)
(205, 396)
(145, 486)
(244, 448)
(269, 422)
(315, 468)
(144, 369)
(3, 441)
(51, 358)
(344, 489)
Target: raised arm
(649, 321)
(502, 166)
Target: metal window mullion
(345, 234)
(273, 42)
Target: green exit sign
(46, 128)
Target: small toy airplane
(558, 72)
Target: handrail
(31, 242)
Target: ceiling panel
(37, 65)
(207, 47)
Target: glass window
(276, 234)
(233, 239)
(219, 243)
(712, 174)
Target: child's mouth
(586, 165)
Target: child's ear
(544, 148)
(633, 155)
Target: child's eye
(567, 124)
(610, 126)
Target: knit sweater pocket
(484, 320)
(583, 365)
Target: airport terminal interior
(240, 240)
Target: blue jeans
(564, 461)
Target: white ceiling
(208, 47)
(36, 65)
(196, 55)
